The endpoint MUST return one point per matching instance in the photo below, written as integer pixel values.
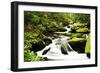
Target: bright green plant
(87, 47)
(30, 56)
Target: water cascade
(60, 49)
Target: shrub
(30, 37)
(32, 56)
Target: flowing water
(60, 49)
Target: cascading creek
(58, 48)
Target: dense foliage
(32, 56)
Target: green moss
(87, 47)
(67, 34)
(78, 44)
(83, 36)
(78, 35)
(86, 30)
(62, 29)
(76, 39)
(78, 25)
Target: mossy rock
(38, 46)
(83, 30)
(67, 34)
(77, 40)
(78, 44)
(78, 24)
(47, 41)
(80, 27)
(78, 35)
(62, 29)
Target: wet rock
(47, 41)
(62, 29)
(78, 45)
(40, 45)
(37, 46)
(66, 24)
(88, 55)
(63, 50)
(45, 51)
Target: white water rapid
(54, 50)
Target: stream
(60, 49)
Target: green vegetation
(80, 30)
(81, 27)
(77, 39)
(78, 35)
(68, 34)
(83, 30)
(87, 47)
(32, 56)
(62, 29)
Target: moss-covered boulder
(61, 29)
(38, 46)
(78, 44)
(47, 41)
(80, 27)
(78, 24)
(78, 35)
(83, 30)
(67, 34)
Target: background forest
(41, 25)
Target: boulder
(37, 46)
(40, 45)
(47, 41)
(78, 44)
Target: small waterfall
(59, 48)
